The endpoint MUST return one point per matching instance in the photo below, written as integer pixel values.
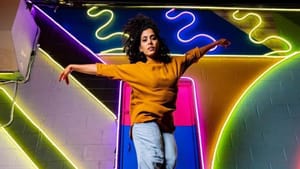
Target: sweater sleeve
(125, 72)
(193, 55)
(190, 57)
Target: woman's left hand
(224, 42)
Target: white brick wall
(69, 116)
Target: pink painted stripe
(185, 112)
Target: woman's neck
(150, 60)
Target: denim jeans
(154, 150)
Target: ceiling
(226, 3)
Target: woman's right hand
(65, 73)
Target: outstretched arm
(84, 68)
(195, 54)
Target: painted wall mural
(248, 93)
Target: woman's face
(149, 43)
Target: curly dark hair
(132, 37)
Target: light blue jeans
(154, 150)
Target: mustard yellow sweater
(154, 87)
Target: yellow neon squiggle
(35, 125)
(267, 38)
(240, 98)
(91, 12)
(111, 14)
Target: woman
(153, 76)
